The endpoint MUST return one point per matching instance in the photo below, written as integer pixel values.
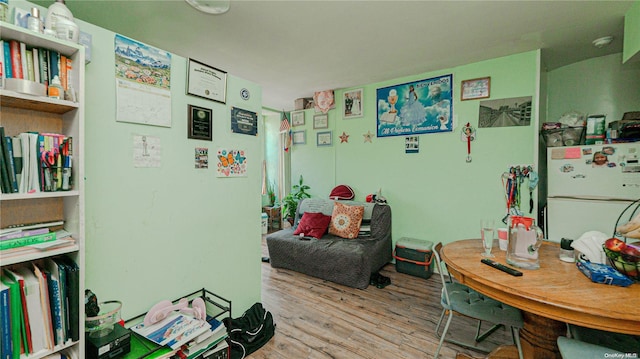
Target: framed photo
(321, 121)
(475, 88)
(206, 81)
(199, 123)
(324, 138)
(299, 137)
(352, 103)
(297, 118)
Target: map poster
(143, 83)
(424, 106)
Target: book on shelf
(27, 233)
(174, 330)
(16, 59)
(23, 60)
(6, 350)
(26, 327)
(16, 143)
(46, 305)
(36, 64)
(55, 300)
(35, 310)
(8, 70)
(18, 328)
(27, 241)
(12, 164)
(53, 226)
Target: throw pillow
(345, 220)
(313, 225)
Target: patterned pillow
(313, 225)
(345, 220)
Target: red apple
(614, 244)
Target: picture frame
(206, 81)
(352, 103)
(321, 121)
(297, 118)
(299, 137)
(324, 138)
(475, 88)
(402, 108)
(200, 123)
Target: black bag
(249, 332)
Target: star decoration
(367, 136)
(344, 137)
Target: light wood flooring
(320, 319)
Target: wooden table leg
(539, 335)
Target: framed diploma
(206, 82)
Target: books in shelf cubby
(41, 312)
(42, 194)
(38, 65)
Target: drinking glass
(487, 228)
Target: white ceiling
(294, 48)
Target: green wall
(160, 233)
(434, 194)
(602, 85)
(631, 46)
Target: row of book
(40, 305)
(34, 64)
(35, 162)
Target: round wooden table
(549, 297)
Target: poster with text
(424, 106)
(231, 163)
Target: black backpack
(249, 332)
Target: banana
(633, 224)
(633, 234)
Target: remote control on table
(501, 267)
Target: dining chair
(459, 298)
(615, 341)
(576, 349)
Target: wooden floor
(320, 319)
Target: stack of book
(35, 162)
(39, 306)
(185, 337)
(33, 237)
(34, 64)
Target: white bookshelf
(21, 112)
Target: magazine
(174, 330)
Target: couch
(344, 261)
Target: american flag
(286, 129)
(284, 124)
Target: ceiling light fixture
(603, 41)
(214, 7)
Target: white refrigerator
(589, 187)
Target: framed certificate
(199, 123)
(206, 82)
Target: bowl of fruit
(624, 257)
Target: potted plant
(290, 201)
(271, 193)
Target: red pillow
(313, 225)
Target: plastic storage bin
(414, 256)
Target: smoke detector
(603, 41)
